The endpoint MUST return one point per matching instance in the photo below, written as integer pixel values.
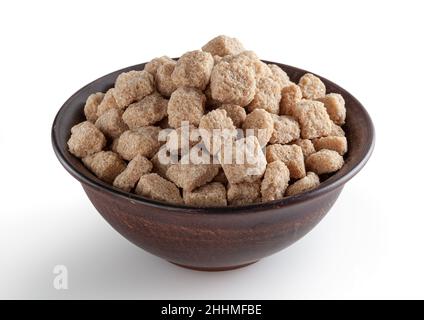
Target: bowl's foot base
(214, 269)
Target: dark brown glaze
(213, 239)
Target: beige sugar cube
(186, 104)
(292, 157)
(309, 182)
(216, 128)
(223, 45)
(306, 145)
(128, 178)
(312, 87)
(279, 75)
(313, 118)
(106, 165)
(336, 130)
(290, 96)
(233, 83)
(184, 136)
(236, 113)
(261, 124)
(143, 141)
(243, 160)
(85, 139)
(244, 193)
(155, 187)
(267, 96)
(324, 161)
(133, 86)
(190, 176)
(154, 64)
(335, 143)
(146, 112)
(164, 83)
(249, 58)
(286, 129)
(275, 181)
(212, 194)
(108, 102)
(193, 69)
(161, 162)
(335, 105)
(91, 105)
(111, 124)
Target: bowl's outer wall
(199, 238)
(211, 240)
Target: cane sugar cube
(85, 140)
(111, 123)
(261, 124)
(338, 144)
(133, 86)
(309, 182)
(324, 161)
(106, 165)
(312, 87)
(143, 141)
(155, 187)
(275, 181)
(313, 119)
(223, 45)
(244, 193)
(212, 194)
(128, 178)
(291, 155)
(186, 104)
(286, 129)
(91, 105)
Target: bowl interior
(359, 132)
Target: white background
(370, 245)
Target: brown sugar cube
(190, 176)
(279, 75)
(324, 161)
(186, 104)
(212, 194)
(336, 130)
(159, 165)
(249, 58)
(335, 143)
(107, 103)
(145, 112)
(312, 87)
(143, 141)
(188, 134)
(91, 105)
(154, 64)
(106, 165)
(215, 129)
(275, 181)
(133, 86)
(233, 82)
(286, 129)
(111, 124)
(309, 182)
(262, 124)
(193, 69)
(292, 157)
(223, 45)
(245, 162)
(221, 177)
(157, 188)
(244, 193)
(164, 83)
(335, 105)
(267, 96)
(306, 145)
(313, 118)
(85, 140)
(128, 178)
(236, 113)
(290, 96)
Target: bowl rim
(323, 188)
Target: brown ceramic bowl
(213, 239)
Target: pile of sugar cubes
(279, 136)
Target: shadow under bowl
(213, 239)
